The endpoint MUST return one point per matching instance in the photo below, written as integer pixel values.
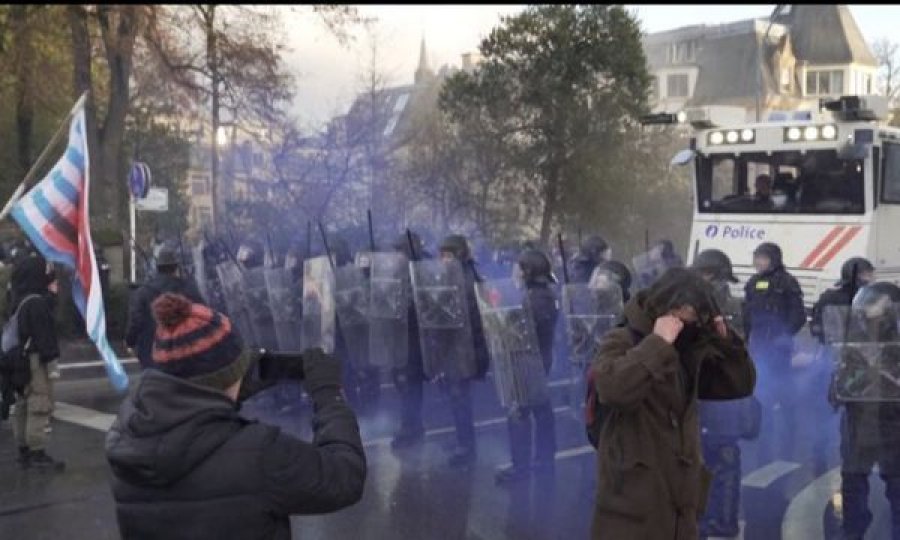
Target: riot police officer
(857, 268)
(540, 301)
(409, 380)
(773, 315)
(721, 422)
(621, 274)
(593, 251)
(870, 422)
(455, 247)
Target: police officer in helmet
(536, 276)
(593, 251)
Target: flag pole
(29, 177)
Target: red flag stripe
(841, 244)
(820, 247)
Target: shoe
(510, 475)
(462, 458)
(407, 438)
(24, 459)
(41, 461)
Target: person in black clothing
(37, 334)
(593, 251)
(186, 465)
(141, 326)
(409, 380)
(773, 315)
(459, 392)
(842, 294)
(541, 303)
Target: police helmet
(715, 262)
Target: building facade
(789, 62)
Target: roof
(827, 34)
(729, 69)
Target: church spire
(423, 71)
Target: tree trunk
(81, 62)
(23, 58)
(212, 58)
(550, 193)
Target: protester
(187, 466)
(674, 348)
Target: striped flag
(55, 215)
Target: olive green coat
(652, 483)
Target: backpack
(595, 413)
(14, 367)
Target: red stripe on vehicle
(814, 254)
(841, 244)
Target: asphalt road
(789, 475)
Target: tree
(886, 53)
(559, 84)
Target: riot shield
(513, 345)
(351, 299)
(258, 309)
(318, 326)
(590, 311)
(867, 356)
(648, 268)
(836, 321)
(285, 302)
(232, 283)
(445, 329)
(389, 303)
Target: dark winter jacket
(841, 296)
(652, 482)
(141, 325)
(187, 466)
(773, 305)
(544, 308)
(36, 321)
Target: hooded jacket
(187, 466)
(36, 323)
(773, 308)
(651, 480)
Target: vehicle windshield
(815, 182)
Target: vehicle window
(890, 192)
(816, 182)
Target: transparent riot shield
(284, 291)
(318, 322)
(232, 283)
(836, 321)
(445, 329)
(867, 355)
(389, 303)
(513, 345)
(648, 268)
(590, 311)
(200, 273)
(258, 308)
(351, 298)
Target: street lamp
(759, 60)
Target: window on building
(890, 189)
(677, 85)
(205, 216)
(825, 82)
(654, 88)
(683, 52)
(199, 185)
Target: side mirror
(683, 157)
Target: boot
(407, 437)
(24, 459)
(41, 461)
(511, 474)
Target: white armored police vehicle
(825, 186)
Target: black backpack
(595, 413)
(15, 370)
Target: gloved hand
(322, 372)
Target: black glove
(322, 373)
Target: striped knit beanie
(196, 343)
